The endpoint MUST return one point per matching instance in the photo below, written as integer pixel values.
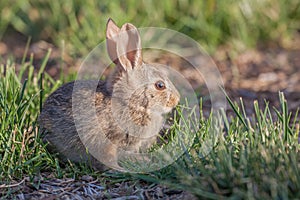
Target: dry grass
(46, 186)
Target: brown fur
(120, 114)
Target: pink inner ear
(130, 46)
(124, 45)
(112, 31)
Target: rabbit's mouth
(167, 110)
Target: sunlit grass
(21, 150)
(258, 159)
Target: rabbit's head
(144, 89)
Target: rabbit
(129, 106)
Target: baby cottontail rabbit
(128, 106)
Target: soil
(256, 74)
(46, 186)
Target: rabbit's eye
(160, 85)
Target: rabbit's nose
(173, 100)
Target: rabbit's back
(57, 118)
(84, 107)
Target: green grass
(21, 151)
(79, 26)
(255, 157)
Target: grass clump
(21, 149)
(260, 161)
(256, 157)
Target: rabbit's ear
(112, 31)
(129, 48)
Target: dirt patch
(261, 74)
(251, 75)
